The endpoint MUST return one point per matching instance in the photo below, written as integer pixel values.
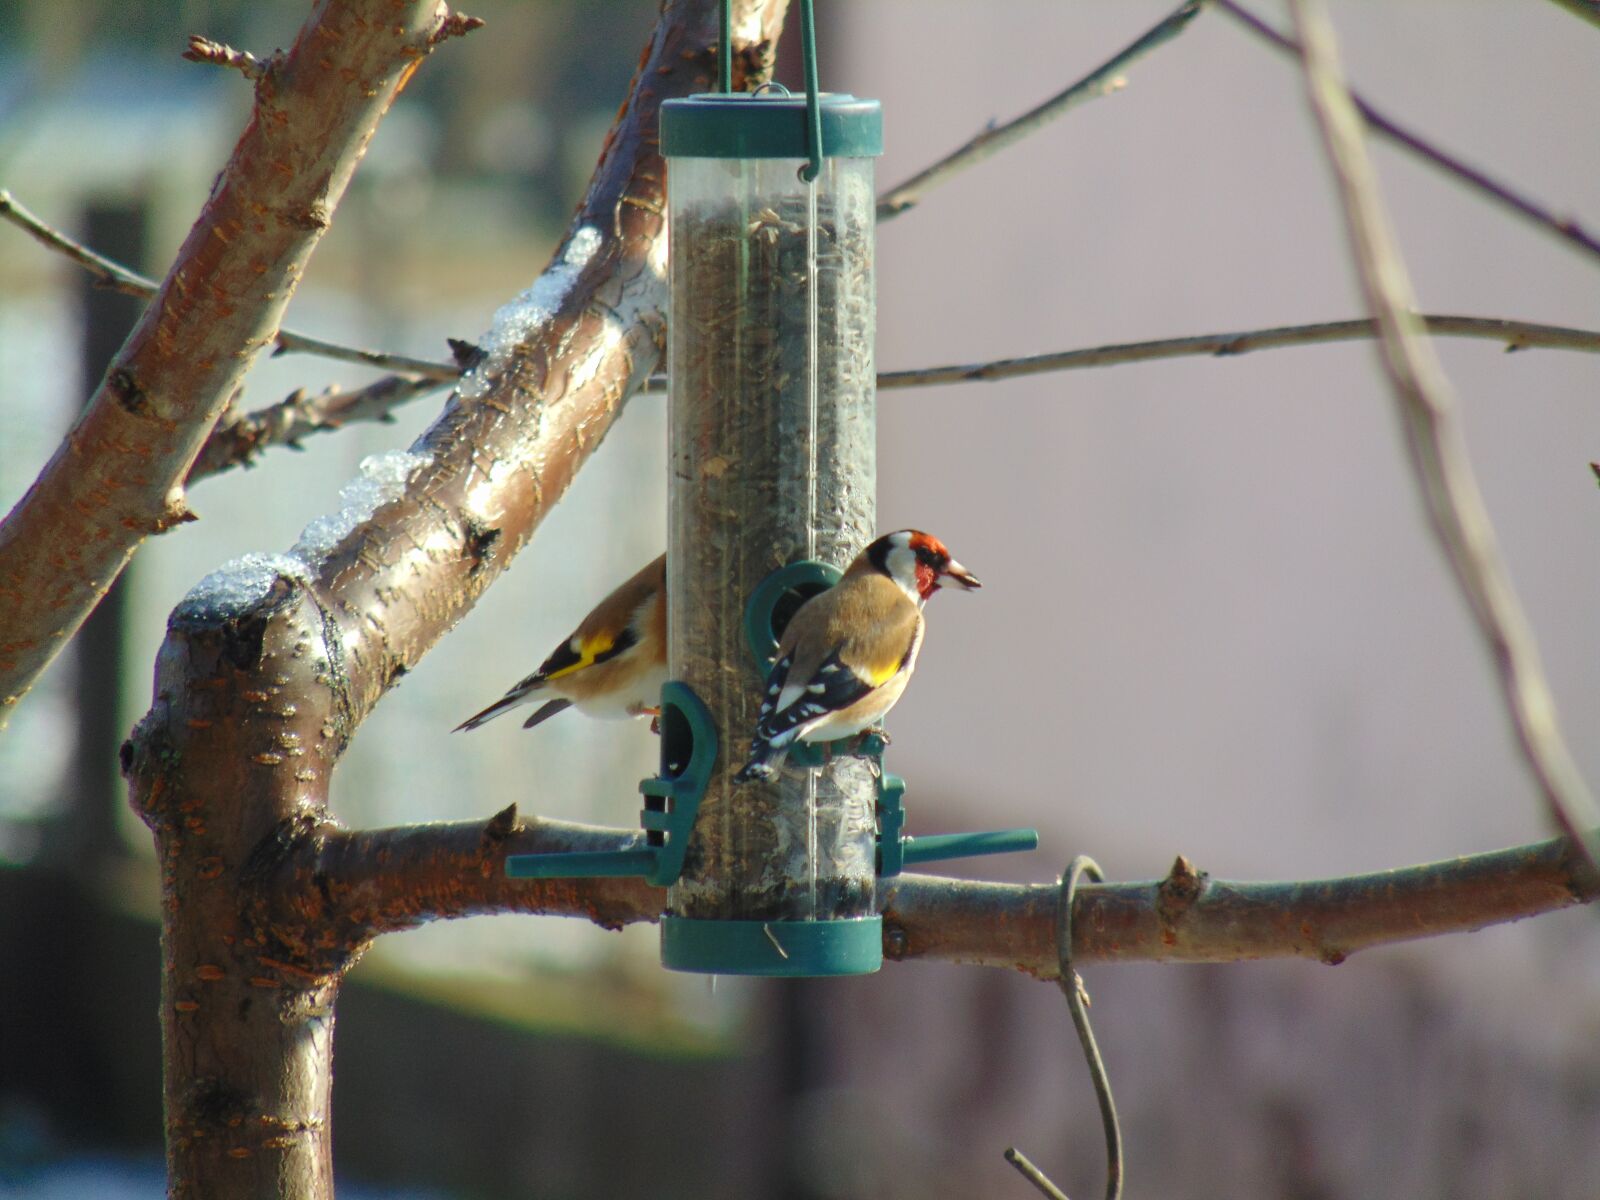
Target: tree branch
(362, 884)
(270, 664)
(114, 275)
(1517, 335)
(1102, 81)
(240, 438)
(386, 393)
(1437, 442)
(1566, 228)
(118, 476)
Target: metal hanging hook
(1077, 1002)
(725, 52)
(808, 52)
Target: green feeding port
(771, 606)
(688, 754)
(689, 750)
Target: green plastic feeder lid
(768, 125)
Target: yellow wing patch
(879, 674)
(590, 648)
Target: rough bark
(118, 475)
(353, 886)
(259, 688)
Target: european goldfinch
(847, 653)
(613, 665)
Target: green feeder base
(848, 946)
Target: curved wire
(1072, 987)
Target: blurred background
(1214, 622)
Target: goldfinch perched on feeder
(847, 653)
(613, 665)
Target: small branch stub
(457, 24)
(204, 50)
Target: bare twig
(204, 50)
(1566, 228)
(1517, 335)
(1436, 441)
(239, 438)
(111, 273)
(115, 275)
(1102, 81)
(290, 342)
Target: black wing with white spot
(833, 687)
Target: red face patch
(927, 580)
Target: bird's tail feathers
(521, 694)
(765, 759)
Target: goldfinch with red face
(846, 655)
(613, 665)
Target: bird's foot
(870, 743)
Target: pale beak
(960, 574)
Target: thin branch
(384, 880)
(1517, 335)
(239, 438)
(290, 342)
(111, 273)
(119, 277)
(1102, 81)
(1566, 228)
(1437, 442)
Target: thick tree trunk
(270, 666)
(225, 767)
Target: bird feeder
(771, 489)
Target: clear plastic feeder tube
(772, 427)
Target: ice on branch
(235, 586)
(244, 582)
(382, 478)
(517, 319)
